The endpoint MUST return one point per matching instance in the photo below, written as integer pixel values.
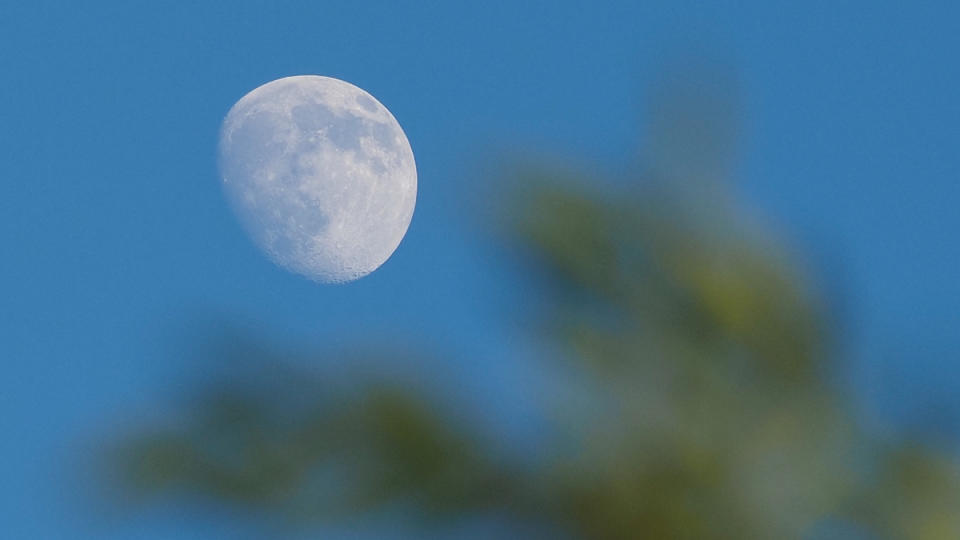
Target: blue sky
(116, 240)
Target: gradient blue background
(115, 241)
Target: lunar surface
(320, 174)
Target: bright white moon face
(321, 175)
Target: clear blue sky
(115, 239)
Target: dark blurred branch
(697, 404)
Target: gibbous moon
(320, 174)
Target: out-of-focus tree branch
(699, 402)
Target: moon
(320, 174)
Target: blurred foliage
(696, 397)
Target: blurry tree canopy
(697, 401)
